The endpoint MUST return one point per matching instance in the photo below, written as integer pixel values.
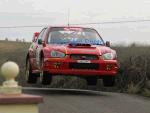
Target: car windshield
(74, 35)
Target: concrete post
(11, 98)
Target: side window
(49, 38)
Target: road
(78, 101)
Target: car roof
(69, 27)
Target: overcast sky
(55, 12)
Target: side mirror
(107, 43)
(40, 41)
(36, 34)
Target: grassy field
(14, 51)
(133, 76)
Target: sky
(55, 12)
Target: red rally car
(73, 51)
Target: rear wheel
(91, 80)
(31, 78)
(109, 81)
(45, 77)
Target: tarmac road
(85, 101)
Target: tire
(91, 80)
(109, 81)
(31, 78)
(45, 77)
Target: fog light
(109, 67)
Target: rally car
(70, 51)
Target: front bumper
(60, 66)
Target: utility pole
(68, 17)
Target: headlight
(57, 54)
(108, 56)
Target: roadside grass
(14, 51)
(133, 75)
(146, 93)
(133, 89)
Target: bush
(134, 68)
(146, 92)
(133, 89)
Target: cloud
(55, 12)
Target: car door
(36, 47)
(39, 47)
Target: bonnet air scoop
(79, 45)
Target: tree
(6, 39)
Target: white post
(11, 98)
(10, 70)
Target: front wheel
(109, 81)
(45, 77)
(31, 78)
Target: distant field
(13, 51)
(133, 76)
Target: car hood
(93, 49)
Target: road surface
(78, 101)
